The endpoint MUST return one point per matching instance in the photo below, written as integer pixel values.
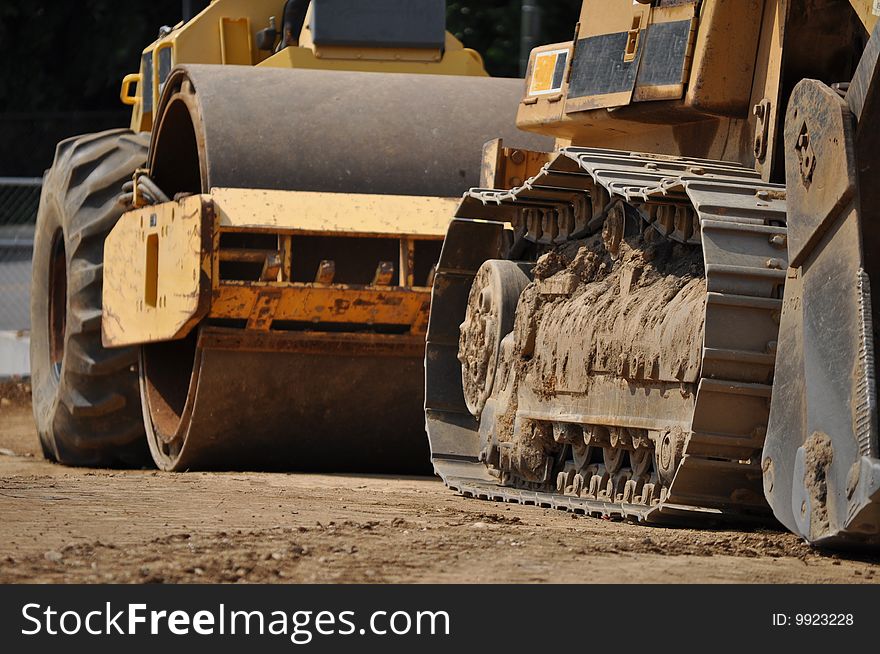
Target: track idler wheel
(489, 318)
(668, 453)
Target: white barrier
(14, 355)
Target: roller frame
(289, 366)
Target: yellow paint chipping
(162, 263)
(153, 264)
(262, 303)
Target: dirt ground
(75, 525)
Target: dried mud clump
(819, 454)
(637, 316)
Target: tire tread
(90, 414)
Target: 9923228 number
(823, 619)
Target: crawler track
(736, 219)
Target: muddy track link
(739, 222)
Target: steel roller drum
(231, 399)
(330, 131)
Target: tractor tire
(86, 399)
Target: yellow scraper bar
(346, 214)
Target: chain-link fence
(19, 199)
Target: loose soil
(70, 525)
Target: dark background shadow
(62, 62)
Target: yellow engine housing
(225, 33)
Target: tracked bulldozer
(669, 319)
(242, 278)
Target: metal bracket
(762, 128)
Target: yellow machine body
(163, 294)
(294, 204)
(225, 33)
(700, 78)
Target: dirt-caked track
(62, 524)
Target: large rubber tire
(86, 399)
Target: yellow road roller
(242, 279)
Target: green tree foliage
(492, 27)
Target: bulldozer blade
(820, 459)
